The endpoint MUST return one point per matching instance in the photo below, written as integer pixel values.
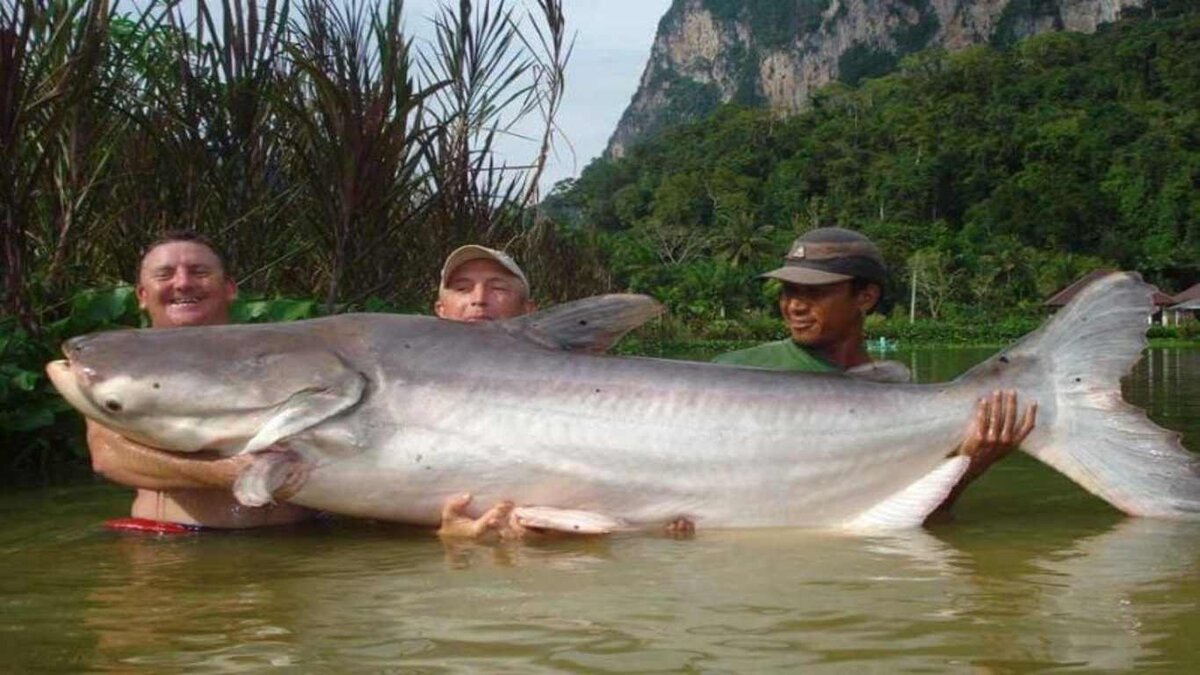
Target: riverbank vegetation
(991, 176)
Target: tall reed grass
(330, 154)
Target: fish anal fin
(566, 520)
(910, 507)
(587, 325)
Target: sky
(612, 45)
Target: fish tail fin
(1087, 431)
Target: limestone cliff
(776, 52)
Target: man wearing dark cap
(832, 278)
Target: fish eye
(112, 405)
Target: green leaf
(291, 310)
(248, 311)
(26, 380)
(93, 307)
(25, 419)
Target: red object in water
(150, 526)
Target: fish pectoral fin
(309, 407)
(911, 506)
(587, 325)
(566, 520)
(271, 471)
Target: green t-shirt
(780, 355)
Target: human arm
(135, 465)
(993, 433)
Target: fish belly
(646, 451)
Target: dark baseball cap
(828, 255)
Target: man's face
(823, 316)
(481, 290)
(182, 283)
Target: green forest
(336, 164)
(998, 175)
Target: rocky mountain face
(777, 52)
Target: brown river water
(1032, 574)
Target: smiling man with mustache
(182, 281)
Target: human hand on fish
(132, 464)
(993, 433)
(457, 524)
(995, 430)
(680, 528)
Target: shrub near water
(39, 431)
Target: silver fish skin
(391, 415)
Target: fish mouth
(66, 380)
(74, 381)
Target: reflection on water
(1033, 574)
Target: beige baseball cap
(465, 254)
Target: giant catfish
(389, 415)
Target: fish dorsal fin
(588, 325)
(912, 505)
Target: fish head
(226, 388)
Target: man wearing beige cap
(831, 279)
(482, 284)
